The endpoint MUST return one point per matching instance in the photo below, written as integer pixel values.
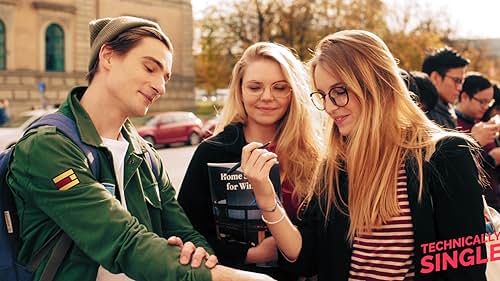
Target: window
(54, 48)
(3, 52)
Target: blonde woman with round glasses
(268, 102)
(392, 184)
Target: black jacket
(443, 115)
(451, 207)
(194, 197)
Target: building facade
(44, 47)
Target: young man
(118, 222)
(446, 69)
(476, 98)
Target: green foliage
(206, 110)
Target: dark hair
(442, 60)
(409, 81)
(496, 96)
(411, 85)
(126, 41)
(426, 92)
(474, 82)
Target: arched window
(3, 51)
(54, 48)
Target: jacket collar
(231, 139)
(465, 118)
(88, 133)
(442, 106)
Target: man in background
(446, 69)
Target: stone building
(48, 41)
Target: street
(176, 159)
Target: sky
(471, 18)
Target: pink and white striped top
(387, 252)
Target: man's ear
(105, 54)
(464, 97)
(435, 77)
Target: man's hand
(190, 253)
(484, 133)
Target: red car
(172, 127)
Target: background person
(446, 69)
(427, 93)
(495, 108)
(424, 92)
(476, 98)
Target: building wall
(26, 22)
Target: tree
(479, 52)
(230, 27)
(415, 30)
(213, 64)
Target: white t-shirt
(118, 149)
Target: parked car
(13, 130)
(172, 127)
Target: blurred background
(44, 44)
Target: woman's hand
(256, 164)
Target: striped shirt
(387, 252)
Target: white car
(13, 130)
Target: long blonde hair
(390, 129)
(297, 142)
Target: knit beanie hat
(106, 29)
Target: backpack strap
(68, 127)
(38, 256)
(56, 258)
(152, 162)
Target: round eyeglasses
(338, 95)
(278, 89)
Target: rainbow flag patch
(66, 180)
